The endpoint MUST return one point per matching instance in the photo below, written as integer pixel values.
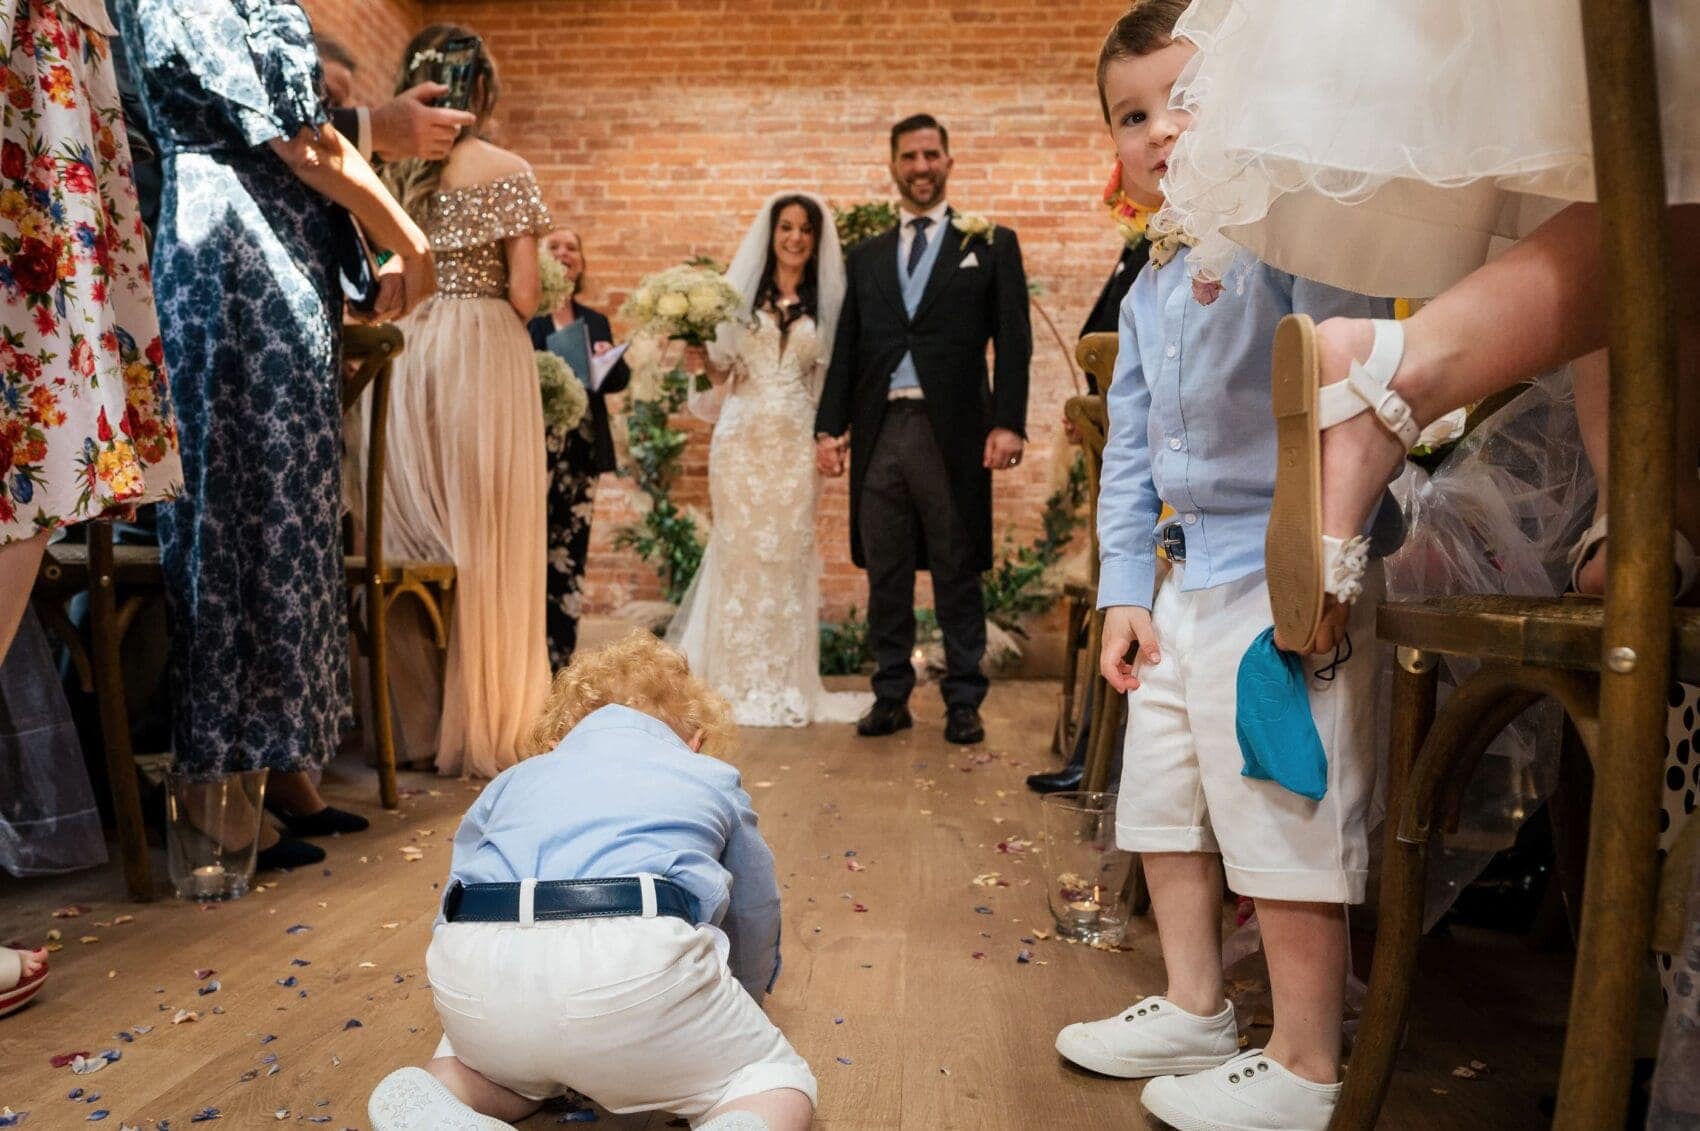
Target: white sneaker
(411, 1099)
(1151, 1037)
(1249, 1093)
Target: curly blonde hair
(644, 674)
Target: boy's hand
(1127, 626)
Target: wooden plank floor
(903, 1025)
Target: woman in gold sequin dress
(466, 479)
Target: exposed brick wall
(658, 126)
(375, 31)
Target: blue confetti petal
(75, 1094)
(583, 1116)
(97, 1116)
(299, 928)
(299, 962)
(351, 1023)
(982, 911)
(206, 1115)
(287, 983)
(842, 1059)
(15, 1119)
(1024, 957)
(211, 987)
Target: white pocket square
(970, 260)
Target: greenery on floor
(667, 537)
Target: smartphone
(454, 68)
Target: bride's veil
(745, 276)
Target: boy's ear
(698, 739)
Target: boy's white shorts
(1181, 787)
(638, 1014)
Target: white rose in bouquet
(672, 305)
(564, 397)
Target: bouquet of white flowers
(564, 397)
(557, 285)
(683, 303)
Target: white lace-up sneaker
(1151, 1037)
(1249, 1093)
(411, 1099)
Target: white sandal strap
(1343, 564)
(1683, 556)
(1366, 388)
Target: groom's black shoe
(1058, 781)
(886, 716)
(963, 726)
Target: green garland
(667, 538)
(864, 221)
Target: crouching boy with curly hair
(611, 922)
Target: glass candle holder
(1089, 878)
(212, 833)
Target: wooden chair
(1097, 355)
(1607, 664)
(120, 581)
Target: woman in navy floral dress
(250, 310)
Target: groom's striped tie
(918, 246)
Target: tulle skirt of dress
(1382, 146)
(466, 482)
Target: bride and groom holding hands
(873, 363)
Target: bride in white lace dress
(750, 624)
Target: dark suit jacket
(961, 311)
(1106, 312)
(596, 455)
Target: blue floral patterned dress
(249, 304)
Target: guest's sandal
(1687, 562)
(15, 989)
(1303, 565)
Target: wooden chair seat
(1545, 632)
(438, 574)
(66, 565)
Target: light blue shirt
(1191, 422)
(622, 794)
(905, 376)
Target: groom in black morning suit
(907, 396)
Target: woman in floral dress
(251, 311)
(86, 427)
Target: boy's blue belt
(567, 899)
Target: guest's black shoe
(287, 853)
(963, 726)
(326, 822)
(1058, 781)
(886, 716)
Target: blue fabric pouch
(1277, 733)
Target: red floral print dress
(86, 424)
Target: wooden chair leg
(1062, 738)
(114, 714)
(378, 674)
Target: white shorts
(1181, 788)
(637, 1014)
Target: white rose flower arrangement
(556, 285)
(685, 304)
(565, 399)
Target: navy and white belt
(531, 901)
(1172, 541)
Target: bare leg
(294, 793)
(1592, 388)
(18, 564)
(1537, 306)
(1306, 947)
(783, 1109)
(477, 1092)
(1186, 898)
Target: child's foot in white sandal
(411, 1099)
(1341, 435)
(22, 973)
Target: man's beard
(908, 192)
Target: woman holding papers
(579, 457)
(466, 476)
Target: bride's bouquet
(685, 304)
(556, 285)
(564, 397)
